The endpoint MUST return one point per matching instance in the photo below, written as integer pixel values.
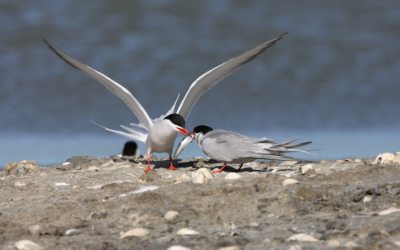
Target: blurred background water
(334, 79)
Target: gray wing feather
(213, 76)
(111, 85)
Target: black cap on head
(202, 129)
(130, 148)
(176, 119)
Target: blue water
(334, 79)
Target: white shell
(206, 172)
(19, 184)
(185, 178)
(61, 184)
(137, 232)
(287, 163)
(177, 247)
(66, 163)
(171, 215)
(389, 211)
(96, 187)
(307, 168)
(288, 182)
(367, 198)
(198, 178)
(187, 231)
(333, 243)
(232, 176)
(70, 231)
(302, 237)
(27, 245)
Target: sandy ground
(93, 203)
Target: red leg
(148, 165)
(240, 167)
(219, 171)
(172, 166)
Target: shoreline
(110, 203)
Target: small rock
(230, 248)
(348, 160)
(66, 163)
(267, 241)
(150, 176)
(323, 161)
(95, 187)
(333, 243)
(34, 230)
(254, 224)
(302, 237)
(177, 247)
(137, 232)
(288, 182)
(185, 178)
(287, 163)
(21, 168)
(350, 244)
(19, 184)
(357, 160)
(187, 231)
(27, 245)
(92, 168)
(389, 211)
(340, 161)
(206, 172)
(386, 158)
(307, 168)
(61, 184)
(43, 175)
(71, 231)
(171, 215)
(199, 178)
(274, 171)
(288, 175)
(367, 198)
(232, 176)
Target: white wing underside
(213, 76)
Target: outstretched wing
(111, 85)
(213, 76)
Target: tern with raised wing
(159, 134)
(231, 147)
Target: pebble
(27, 245)
(19, 184)
(348, 160)
(288, 175)
(198, 178)
(288, 182)
(232, 176)
(202, 175)
(389, 211)
(287, 163)
(367, 198)
(333, 243)
(302, 237)
(65, 163)
(70, 231)
(185, 178)
(206, 172)
(92, 168)
(43, 174)
(150, 176)
(137, 232)
(307, 168)
(358, 160)
(230, 248)
(95, 187)
(177, 247)
(187, 231)
(254, 224)
(171, 215)
(323, 161)
(60, 184)
(350, 244)
(340, 161)
(386, 158)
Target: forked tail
(136, 132)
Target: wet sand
(91, 203)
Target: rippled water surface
(334, 79)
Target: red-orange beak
(194, 136)
(184, 131)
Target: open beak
(184, 131)
(192, 134)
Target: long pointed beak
(184, 131)
(193, 135)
